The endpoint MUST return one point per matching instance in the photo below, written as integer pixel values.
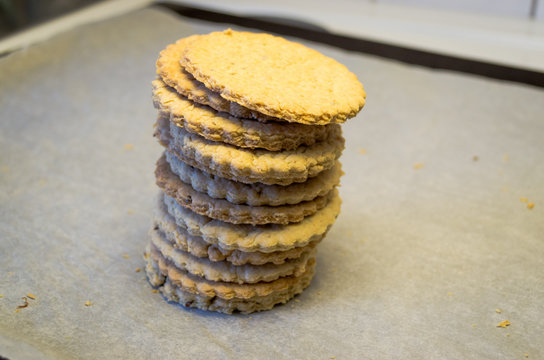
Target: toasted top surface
(275, 76)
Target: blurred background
(503, 32)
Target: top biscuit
(274, 76)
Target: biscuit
(274, 76)
(249, 238)
(224, 210)
(255, 194)
(197, 246)
(220, 126)
(191, 291)
(224, 270)
(250, 166)
(172, 73)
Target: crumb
(297, 300)
(292, 306)
(251, 317)
(348, 233)
(129, 146)
(1, 296)
(10, 273)
(505, 157)
(17, 310)
(138, 269)
(130, 212)
(31, 296)
(42, 182)
(126, 256)
(524, 199)
(88, 303)
(362, 151)
(507, 334)
(474, 325)
(450, 293)
(319, 293)
(475, 158)
(24, 298)
(498, 311)
(526, 355)
(5, 169)
(530, 206)
(418, 166)
(504, 188)
(334, 269)
(333, 357)
(154, 291)
(503, 324)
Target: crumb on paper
(475, 158)
(251, 317)
(362, 151)
(5, 169)
(130, 212)
(507, 334)
(129, 146)
(1, 296)
(334, 269)
(526, 355)
(474, 325)
(10, 273)
(333, 357)
(450, 293)
(154, 291)
(297, 300)
(498, 311)
(504, 188)
(126, 256)
(42, 181)
(524, 199)
(31, 296)
(418, 166)
(503, 324)
(25, 304)
(319, 293)
(348, 233)
(505, 157)
(138, 269)
(17, 310)
(88, 303)
(530, 206)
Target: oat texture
(224, 270)
(172, 73)
(250, 166)
(197, 246)
(275, 77)
(224, 210)
(191, 291)
(220, 126)
(255, 194)
(248, 238)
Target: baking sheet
(432, 250)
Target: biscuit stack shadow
(250, 168)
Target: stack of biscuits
(250, 127)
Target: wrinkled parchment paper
(432, 250)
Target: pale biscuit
(274, 76)
(250, 166)
(224, 270)
(191, 291)
(220, 126)
(248, 238)
(173, 74)
(197, 246)
(255, 194)
(224, 210)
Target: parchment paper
(415, 267)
